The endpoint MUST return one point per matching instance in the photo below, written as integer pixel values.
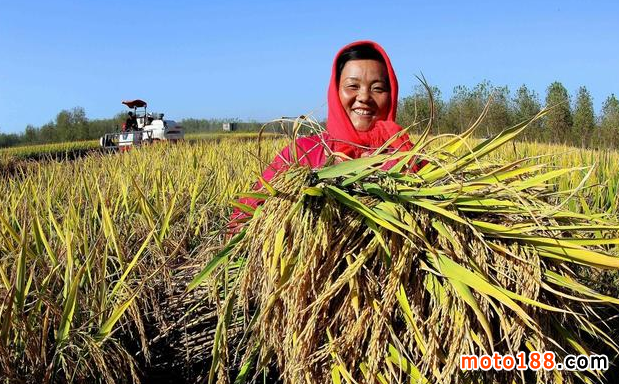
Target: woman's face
(364, 92)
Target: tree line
(69, 125)
(572, 119)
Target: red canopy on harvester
(135, 103)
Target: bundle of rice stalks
(356, 274)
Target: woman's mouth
(363, 112)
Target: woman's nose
(363, 95)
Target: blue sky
(264, 59)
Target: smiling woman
(362, 102)
(362, 99)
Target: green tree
(499, 115)
(463, 108)
(416, 107)
(466, 105)
(79, 124)
(525, 105)
(62, 124)
(47, 133)
(31, 135)
(609, 121)
(71, 125)
(558, 121)
(9, 140)
(584, 118)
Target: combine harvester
(151, 128)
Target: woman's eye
(352, 86)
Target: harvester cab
(148, 127)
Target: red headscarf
(343, 135)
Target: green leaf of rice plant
(129, 267)
(252, 195)
(41, 235)
(216, 261)
(356, 205)
(410, 319)
(110, 229)
(20, 277)
(453, 270)
(222, 326)
(165, 225)
(243, 207)
(272, 191)
(573, 285)
(243, 374)
(405, 365)
(569, 251)
(541, 178)
(465, 294)
(107, 326)
(350, 167)
(69, 306)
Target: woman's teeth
(362, 112)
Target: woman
(362, 103)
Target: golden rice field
(39, 149)
(603, 182)
(92, 250)
(85, 244)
